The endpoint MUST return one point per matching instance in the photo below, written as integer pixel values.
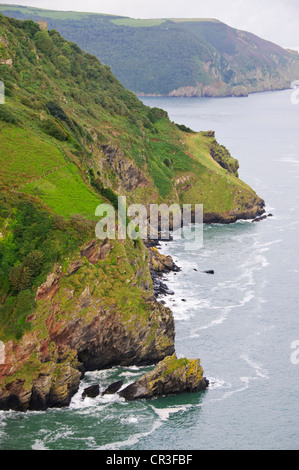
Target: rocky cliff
(76, 327)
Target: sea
(242, 322)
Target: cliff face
(75, 329)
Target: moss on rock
(170, 376)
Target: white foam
(129, 420)
(164, 413)
(260, 372)
(39, 445)
(134, 439)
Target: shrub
(63, 64)
(43, 42)
(56, 111)
(30, 27)
(155, 114)
(53, 128)
(34, 262)
(7, 116)
(20, 277)
(184, 128)
(111, 196)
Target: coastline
(209, 95)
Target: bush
(34, 262)
(56, 111)
(184, 128)
(53, 128)
(7, 116)
(63, 64)
(43, 42)
(155, 114)
(22, 275)
(111, 196)
(30, 27)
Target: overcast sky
(275, 20)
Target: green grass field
(58, 15)
(194, 20)
(137, 23)
(65, 193)
(25, 157)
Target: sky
(275, 20)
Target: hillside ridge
(174, 57)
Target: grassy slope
(192, 51)
(215, 188)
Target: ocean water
(241, 322)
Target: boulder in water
(92, 392)
(113, 388)
(170, 376)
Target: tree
(43, 42)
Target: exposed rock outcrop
(91, 392)
(113, 388)
(107, 341)
(130, 176)
(161, 263)
(53, 387)
(250, 211)
(74, 330)
(259, 219)
(170, 376)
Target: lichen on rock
(170, 376)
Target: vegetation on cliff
(72, 137)
(198, 57)
(172, 375)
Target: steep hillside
(177, 57)
(71, 137)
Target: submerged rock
(259, 219)
(170, 376)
